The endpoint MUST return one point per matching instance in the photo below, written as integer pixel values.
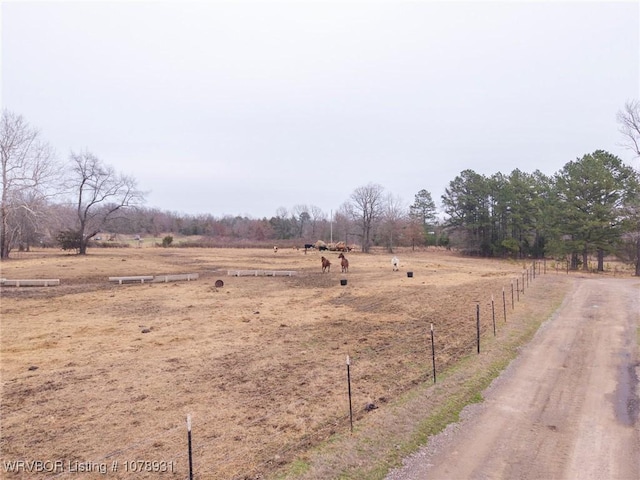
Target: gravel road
(566, 408)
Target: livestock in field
(326, 264)
(396, 263)
(344, 263)
(320, 245)
(309, 246)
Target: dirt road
(566, 408)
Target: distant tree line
(590, 207)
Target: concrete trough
(40, 282)
(132, 279)
(261, 273)
(184, 277)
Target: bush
(167, 241)
(69, 240)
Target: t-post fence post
(349, 387)
(189, 442)
(534, 269)
(433, 355)
(478, 325)
(504, 305)
(493, 315)
(513, 306)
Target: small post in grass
(189, 442)
(534, 270)
(349, 386)
(478, 325)
(493, 314)
(433, 355)
(512, 304)
(518, 288)
(504, 305)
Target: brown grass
(258, 363)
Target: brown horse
(326, 264)
(344, 263)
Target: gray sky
(245, 107)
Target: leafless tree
(344, 227)
(100, 194)
(394, 215)
(317, 216)
(366, 207)
(28, 173)
(629, 121)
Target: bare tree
(317, 216)
(366, 207)
(28, 171)
(344, 227)
(393, 219)
(629, 121)
(101, 194)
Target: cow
(326, 265)
(344, 263)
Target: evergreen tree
(466, 201)
(593, 192)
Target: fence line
(328, 425)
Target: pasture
(94, 372)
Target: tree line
(590, 207)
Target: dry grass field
(96, 374)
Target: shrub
(69, 240)
(167, 241)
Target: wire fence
(270, 455)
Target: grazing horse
(326, 265)
(344, 263)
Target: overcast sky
(239, 108)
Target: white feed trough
(41, 282)
(261, 273)
(155, 279)
(132, 279)
(183, 277)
